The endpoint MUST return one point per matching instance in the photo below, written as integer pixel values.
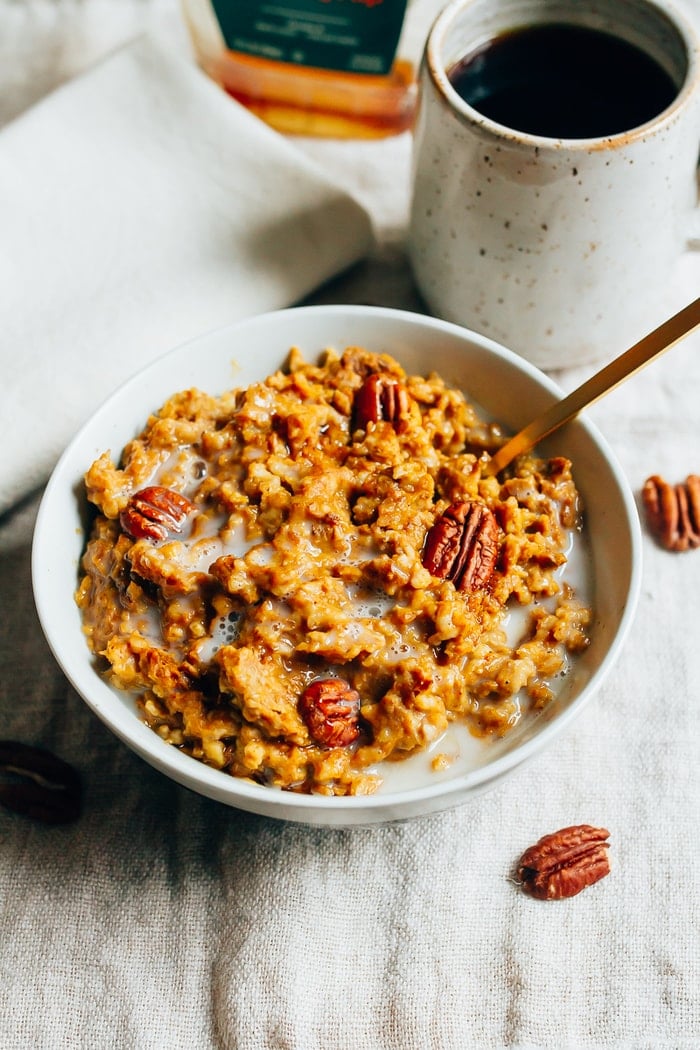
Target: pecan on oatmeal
(462, 546)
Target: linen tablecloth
(162, 919)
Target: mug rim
(502, 132)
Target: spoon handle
(631, 361)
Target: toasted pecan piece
(565, 862)
(330, 709)
(155, 512)
(381, 397)
(462, 546)
(673, 511)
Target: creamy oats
(309, 577)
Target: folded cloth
(140, 206)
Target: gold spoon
(631, 361)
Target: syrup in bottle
(311, 67)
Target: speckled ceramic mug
(562, 249)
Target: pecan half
(462, 546)
(381, 397)
(565, 862)
(154, 512)
(330, 709)
(673, 511)
(37, 784)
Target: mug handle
(693, 241)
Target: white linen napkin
(140, 206)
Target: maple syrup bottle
(311, 67)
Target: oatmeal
(309, 577)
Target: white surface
(248, 352)
(163, 919)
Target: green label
(355, 36)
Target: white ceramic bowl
(500, 382)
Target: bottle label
(355, 36)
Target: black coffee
(563, 81)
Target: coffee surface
(563, 81)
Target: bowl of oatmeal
(274, 564)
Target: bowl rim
(238, 792)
